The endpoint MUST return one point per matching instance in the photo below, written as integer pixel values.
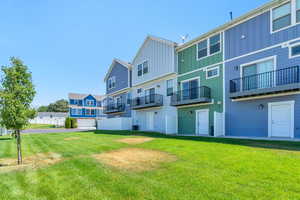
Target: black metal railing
(270, 79)
(147, 101)
(194, 95)
(114, 108)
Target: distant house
(86, 108)
(54, 118)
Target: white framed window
(294, 50)
(209, 47)
(170, 87)
(281, 17)
(212, 72)
(297, 11)
(87, 111)
(112, 82)
(143, 68)
(90, 102)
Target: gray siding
(121, 74)
(161, 58)
(127, 112)
(257, 36)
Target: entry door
(281, 120)
(150, 121)
(202, 122)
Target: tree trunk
(19, 147)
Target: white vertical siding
(161, 58)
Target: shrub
(68, 123)
(74, 123)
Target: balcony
(155, 100)
(192, 96)
(114, 108)
(268, 83)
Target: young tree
(16, 97)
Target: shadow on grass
(5, 138)
(276, 145)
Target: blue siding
(90, 97)
(257, 36)
(121, 74)
(243, 118)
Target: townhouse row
(240, 79)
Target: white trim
(115, 60)
(292, 104)
(197, 105)
(201, 69)
(265, 96)
(210, 69)
(224, 91)
(190, 79)
(161, 78)
(112, 79)
(290, 50)
(197, 128)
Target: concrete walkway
(55, 130)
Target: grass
(40, 126)
(206, 168)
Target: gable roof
(115, 60)
(82, 96)
(227, 25)
(158, 39)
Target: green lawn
(206, 168)
(40, 126)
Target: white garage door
(86, 123)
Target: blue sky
(69, 44)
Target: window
(190, 89)
(150, 95)
(298, 11)
(93, 111)
(265, 79)
(140, 69)
(204, 49)
(295, 50)
(143, 68)
(89, 102)
(87, 112)
(76, 111)
(128, 98)
(139, 90)
(214, 44)
(111, 82)
(170, 87)
(212, 72)
(99, 103)
(281, 17)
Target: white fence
(219, 124)
(124, 123)
(58, 121)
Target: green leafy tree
(16, 97)
(59, 106)
(43, 109)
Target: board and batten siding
(161, 58)
(121, 73)
(255, 34)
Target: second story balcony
(268, 83)
(153, 100)
(196, 95)
(114, 108)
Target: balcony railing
(192, 96)
(154, 100)
(277, 81)
(114, 108)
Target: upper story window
(298, 11)
(139, 90)
(281, 17)
(143, 68)
(295, 50)
(89, 102)
(209, 46)
(170, 86)
(212, 72)
(99, 103)
(111, 82)
(214, 44)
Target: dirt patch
(136, 140)
(30, 162)
(135, 159)
(72, 138)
